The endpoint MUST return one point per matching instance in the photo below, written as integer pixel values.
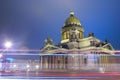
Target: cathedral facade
(76, 52)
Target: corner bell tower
(72, 29)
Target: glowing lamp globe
(8, 44)
(1, 55)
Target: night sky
(28, 22)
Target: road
(58, 76)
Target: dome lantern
(72, 20)
(71, 13)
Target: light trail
(62, 51)
(40, 54)
(45, 78)
(57, 74)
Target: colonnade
(66, 35)
(76, 62)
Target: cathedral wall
(84, 43)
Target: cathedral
(76, 52)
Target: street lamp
(1, 62)
(8, 44)
(1, 55)
(14, 66)
(37, 66)
(102, 70)
(27, 66)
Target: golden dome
(72, 20)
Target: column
(82, 61)
(62, 36)
(41, 62)
(52, 62)
(104, 61)
(46, 62)
(70, 61)
(64, 62)
(49, 61)
(55, 62)
(76, 62)
(79, 36)
(67, 35)
(79, 61)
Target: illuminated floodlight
(101, 70)
(1, 55)
(37, 66)
(8, 44)
(28, 66)
(14, 65)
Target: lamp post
(1, 61)
(28, 67)
(1, 55)
(37, 68)
(7, 45)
